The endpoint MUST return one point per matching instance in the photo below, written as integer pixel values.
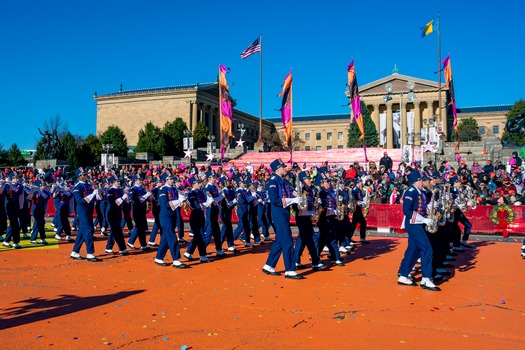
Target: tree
(272, 139)
(297, 142)
(173, 135)
(115, 136)
(89, 151)
(151, 139)
(371, 136)
(514, 138)
(468, 130)
(14, 156)
(200, 135)
(49, 127)
(70, 150)
(3, 156)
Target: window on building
(318, 136)
(495, 129)
(482, 130)
(328, 135)
(339, 146)
(318, 148)
(340, 135)
(328, 147)
(306, 148)
(307, 136)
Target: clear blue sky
(56, 54)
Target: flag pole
(260, 93)
(439, 71)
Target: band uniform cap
(194, 179)
(414, 176)
(302, 175)
(277, 164)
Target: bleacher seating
(343, 157)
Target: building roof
(206, 87)
(485, 109)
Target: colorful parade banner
(286, 111)
(355, 102)
(447, 72)
(226, 116)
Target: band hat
(276, 164)
(413, 176)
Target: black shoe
(434, 289)
(300, 267)
(76, 257)
(338, 263)
(445, 273)
(94, 259)
(272, 273)
(182, 240)
(319, 267)
(407, 285)
(452, 253)
(447, 264)
(294, 277)
(161, 263)
(267, 239)
(181, 266)
(466, 245)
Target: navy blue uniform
(280, 194)
(196, 199)
(357, 216)
(40, 199)
(328, 224)
(14, 196)
(226, 215)
(114, 216)
(139, 196)
(414, 209)
(303, 218)
(211, 226)
(169, 202)
(64, 198)
(84, 209)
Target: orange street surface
(49, 301)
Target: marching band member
(211, 225)
(327, 222)
(40, 198)
(303, 218)
(115, 197)
(281, 198)
(84, 196)
(414, 210)
(228, 203)
(198, 202)
(64, 196)
(357, 216)
(169, 200)
(14, 197)
(262, 218)
(139, 197)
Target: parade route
(51, 301)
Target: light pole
(107, 147)
(411, 96)
(211, 144)
(240, 127)
(188, 142)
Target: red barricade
(387, 215)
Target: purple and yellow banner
(355, 102)
(447, 72)
(286, 110)
(226, 116)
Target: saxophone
(432, 214)
(318, 209)
(339, 204)
(366, 202)
(449, 202)
(302, 194)
(351, 202)
(442, 217)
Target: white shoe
(52, 225)
(153, 244)
(268, 268)
(43, 241)
(159, 261)
(109, 251)
(418, 261)
(404, 280)
(131, 246)
(123, 252)
(251, 236)
(325, 249)
(6, 244)
(102, 230)
(175, 263)
(17, 246)
(58, 238)
(343, 250)
(188, 256)
(523, 254)
(231, 249)
(290, 273)
(523, 247)
(191, 234)
(55, 229)
(75, 255)
(33, 242)
(425, 281)
(68, 238)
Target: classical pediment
(398, 82)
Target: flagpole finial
(395, 70)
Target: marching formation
(328, 203)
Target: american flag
(253, 48)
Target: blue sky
(56, 54)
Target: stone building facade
(131, 110)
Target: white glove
(360, 202)
(336, 212)
(319, 200)
(427, 221)
(95, 191)
(182, 197)
(235, 201)
(340, 198)
(124, 197)
(461, 207)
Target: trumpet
(318, 209)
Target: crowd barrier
(391, 215)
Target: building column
(375, 117)
(194, 116)
(389, 126)
(417, 122)
(216, 125)
(403, 116)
